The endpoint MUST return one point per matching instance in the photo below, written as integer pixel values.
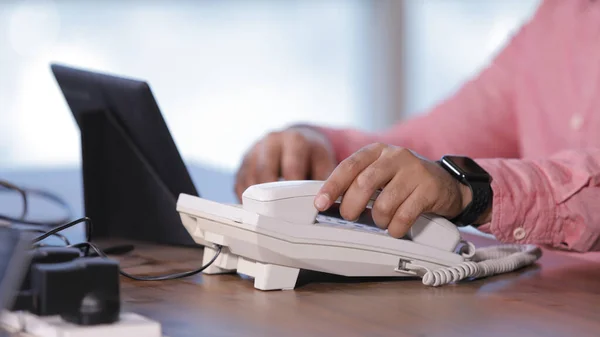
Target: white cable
(483, 262)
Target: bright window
(449, 41)
(223, 72)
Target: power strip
(129, 324)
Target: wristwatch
(469, 173)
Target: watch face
(466, 168)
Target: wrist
(476, 195)
(467, 198)
(486, 216)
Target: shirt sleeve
(551, 201)
(477, 121)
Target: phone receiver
(293, 201)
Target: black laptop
(14, 262)
(132, 170)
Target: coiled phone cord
(481, 262)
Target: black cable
(60, 236)
(61, 228)
(57, 200)
(115, 250)
(25, 195)
(9, 186)
(63, 224)
(154, 278)
(99, 252)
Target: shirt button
(576, 122)
(519, 233)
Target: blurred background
(226, 72)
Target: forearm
(550, 201)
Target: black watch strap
(482, 196)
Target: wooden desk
(558, 297)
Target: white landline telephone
(277, 231)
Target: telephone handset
(277, 231)
(293, 201)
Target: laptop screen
(14, 259)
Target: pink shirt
(532, 120)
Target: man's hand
(410, 186)
(296, 153)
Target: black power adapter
(79, 282)
(84, 291)
(42, 255)
(60, 281)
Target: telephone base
(266, 276)
(273, 252)
(265, 240)
(225, 263)
(129, 324)
(269, 276)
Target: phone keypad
(335, 222)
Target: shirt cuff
(524, 210)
